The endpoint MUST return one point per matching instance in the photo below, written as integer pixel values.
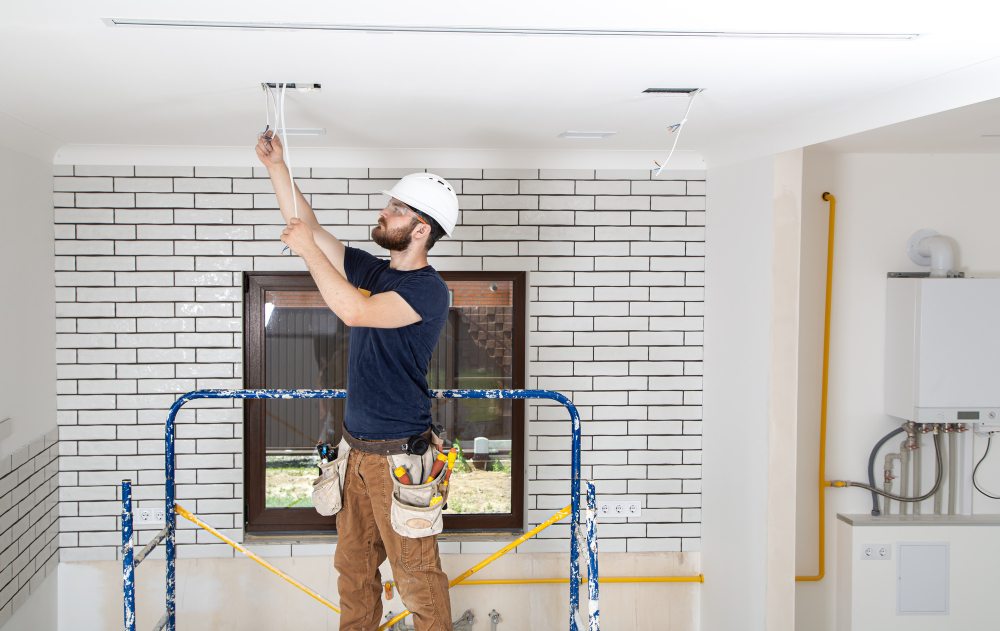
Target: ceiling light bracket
(301, 87)
(672, 91)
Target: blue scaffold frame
(168, 533)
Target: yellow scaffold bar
(183, 512)
(559, 516)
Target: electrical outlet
(876, 552)
(150, 517)
(608, 509)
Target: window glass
(305, 345)
(476, 352)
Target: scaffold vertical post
(170, 513)
(594, 610)
(574, 550)
(128, 566)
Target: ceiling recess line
(586, 135)
(496, 30)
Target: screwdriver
(452, 454)
(439, 463)
(402, 475)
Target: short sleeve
(427, 294)
(357, 263)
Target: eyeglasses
(400, 209)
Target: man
(396, 310)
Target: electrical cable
(676, 129)
(939, 460)
(267, 110)
(274, 104)
(281, 128)
(989, 440)
(288, 153)
(270, 103)
(876, 511)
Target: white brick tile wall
(94, 170)
(29, 520)
(164, 171)
(149, 305)
(678, 203)
(571, 174)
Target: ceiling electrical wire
(989, 440)
(676, 129)
(269, 103)
(267, 112)
(288, 153)
(280, 128)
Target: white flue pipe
(929, 249)
(942, 256)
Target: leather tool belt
(392, 446)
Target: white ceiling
(970, 129)
(73, 81)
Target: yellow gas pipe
(700, 578)
(823, 484)
(558, 516)
(604, 579)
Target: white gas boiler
(942, 350)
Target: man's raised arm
(271, 154)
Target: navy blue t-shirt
(387, 368)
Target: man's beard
(395, 241)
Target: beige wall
(783, 393)
(881, 201)
(750, 395)
(738, 314)
(225, 594)
(27, 296)
(28, 482)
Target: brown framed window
(293, 340)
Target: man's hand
(270, 150)
(298, 236)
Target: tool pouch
(411, 513)
(328, 488)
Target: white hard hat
(430, 194)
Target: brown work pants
(365, 539)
